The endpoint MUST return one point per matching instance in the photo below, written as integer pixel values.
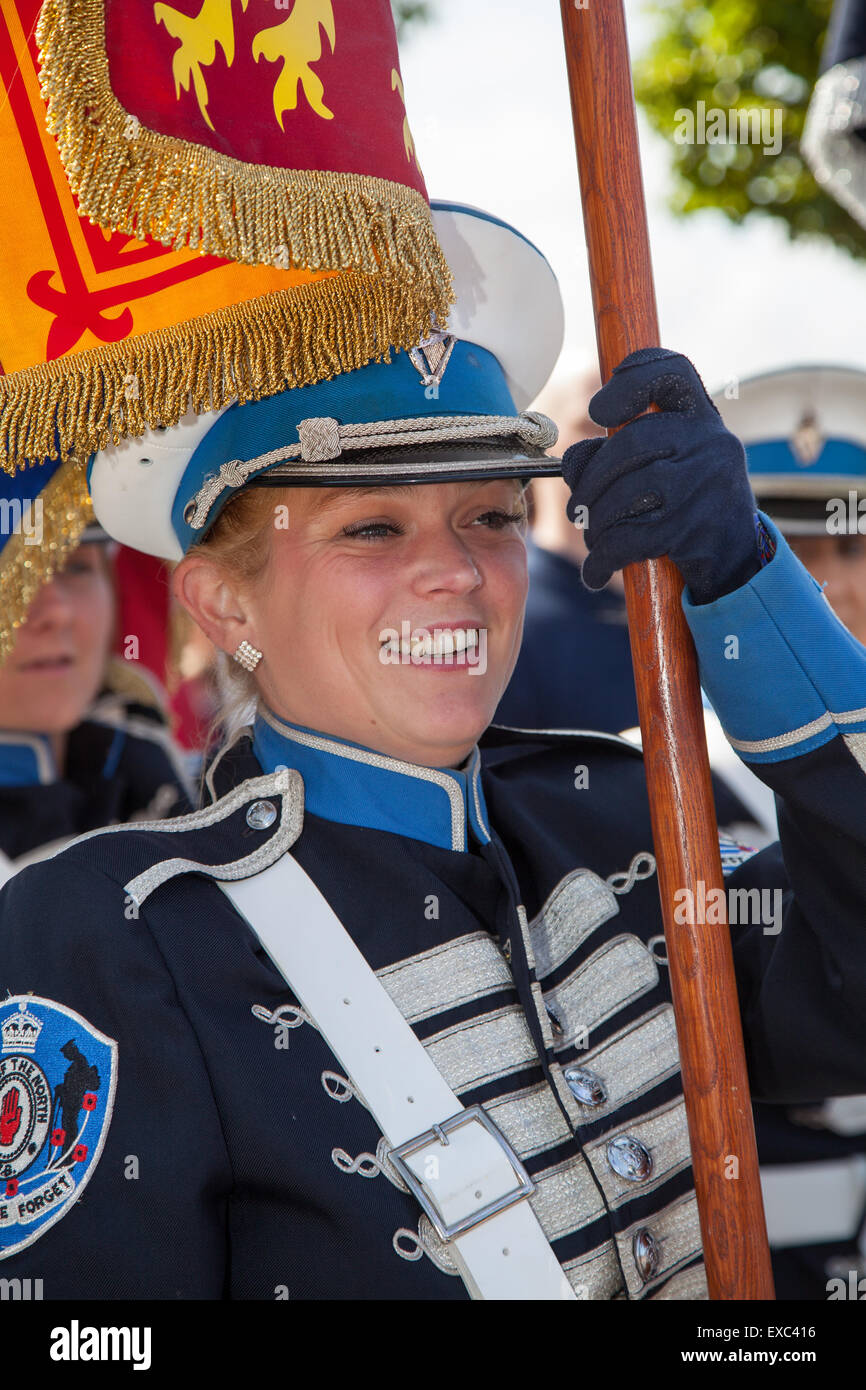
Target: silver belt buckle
(440, 1133)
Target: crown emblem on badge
(21, 1031)
(807, 441)
(432, 354)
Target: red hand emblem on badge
(10, 1116)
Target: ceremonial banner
(242, 127)
(102, 335)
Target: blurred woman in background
(83, 741)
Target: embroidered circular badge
(25, 1113)
(57, 1080)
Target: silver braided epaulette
(321, 439)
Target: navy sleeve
(788, 682)
(146, 1219)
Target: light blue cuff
(781, 671)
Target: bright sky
(488, 104)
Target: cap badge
(432, 355)
(807, 441)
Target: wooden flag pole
(677, 769)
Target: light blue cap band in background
(838, 458)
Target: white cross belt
(461, 1169)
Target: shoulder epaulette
(214, 840)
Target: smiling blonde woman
(387, 1018)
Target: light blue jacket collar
(26, 760)
(353, 785)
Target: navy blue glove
(673, 482)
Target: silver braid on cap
(323, 438)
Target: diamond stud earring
(247, 656)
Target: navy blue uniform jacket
(120, 763)
(227, 1154)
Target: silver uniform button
(585, 1086)
(261, 814)
(647, 1253)
(629, 1158)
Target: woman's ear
(212, 601)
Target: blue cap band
(838, 458)
(474, 384)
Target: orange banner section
(65, 284)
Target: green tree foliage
(738, 54)
(408, 14)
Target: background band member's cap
(804, 431)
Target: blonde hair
(238, 544)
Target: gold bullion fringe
(143, 183)
(66, 512)
(294, 337)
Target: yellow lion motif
(199, 36)
(298, 43)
